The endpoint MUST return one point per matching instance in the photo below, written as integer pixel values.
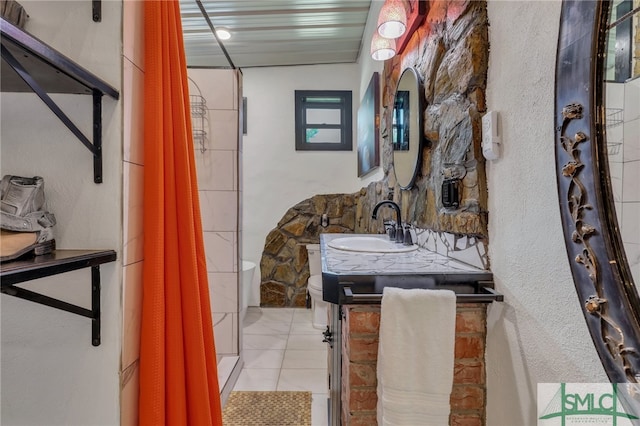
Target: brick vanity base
(360, 352)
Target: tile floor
(282, 351)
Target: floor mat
(244, 408)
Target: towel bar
(486, 295)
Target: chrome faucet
(407, 238)
(396, 229)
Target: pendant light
(382, 48)
(392, 20)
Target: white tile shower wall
(217, 170)
(225, 328)
(220, 251)
(223, 129)
(132, 119)
(131, 313)
(615, 134)
(632, 146)
(631, 105)
(132, 215)
(623, 148)
(223, 289)
(133, 46)
(133, 167)
(631, 176)
(221, 208)
(615, 172)
(631, 237)
(218, 86)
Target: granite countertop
(420, 261)
(359, 277)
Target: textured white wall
(218, 190)
(367, 66)
(267, 184)
(51, 374)
(275, 176)
(538, 334)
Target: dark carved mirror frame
(599, 266)
(407, 170)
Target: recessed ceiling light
(223, 34)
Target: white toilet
(246, 280)
(314, 286)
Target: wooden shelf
(58, 262)
(55, 72)
(30, 65)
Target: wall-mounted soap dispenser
(490, 137)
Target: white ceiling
(274, 32)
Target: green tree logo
(583, 404)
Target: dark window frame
(346, 120)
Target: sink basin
(371, 244)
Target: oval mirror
(406, 128)
(597, 148)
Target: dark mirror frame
(416, 125)
(600, 270)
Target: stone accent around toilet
(284, 266)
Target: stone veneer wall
(450, 52)
(284, 265)
(360, 354)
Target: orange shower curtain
(178, 373)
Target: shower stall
(216, 95)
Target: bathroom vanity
(353, 274)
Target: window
(623, 38)
(323, 120)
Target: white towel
(415, 356)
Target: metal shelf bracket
(93, 313)
(58, 262)
(96, 146)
